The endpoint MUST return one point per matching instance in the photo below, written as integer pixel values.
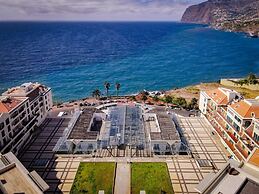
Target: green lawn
(151, 177)
(92, 177)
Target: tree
(193, 104)
(155, 98)
(251, 79)
(133, 98)
(180, 101)
(168, 99)
(96, 93)
(117, 86)
(144, 98)
(107, 86)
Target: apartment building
(22, 108)
(15, 178)
(213, 99)
(233, 118)
(40, 98)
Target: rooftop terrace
(168, 129)
(31, 90)
(16, 179)
(82, 128)
(7, 104)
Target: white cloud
(93, 9)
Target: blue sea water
(76, 58)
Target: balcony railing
(243, 152)
(230, 145)
(232, 136)
(14, 115)
(238, 155)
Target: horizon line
(175, 21)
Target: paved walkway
(122, 180)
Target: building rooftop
(248, 187)
(243, 179)
(81, 130)
(218, 96)
(31, 90)
(7, 104)
(125, 126)
(167, 127)
(246, 108)
(16, 179)
(254, 158)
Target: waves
(76, 58)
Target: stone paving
(59, 171)
(122, 180)
(184, 171)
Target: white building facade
(22, 109)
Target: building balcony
(14, 115)
(220, 133)
(239, 157)
(241, 151)
(248, 143)
(231, 135)
(210, 107)
(225, 119)
(229, 144)
(18, 133)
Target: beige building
(15, 178)
(21, 109)
(234, 119)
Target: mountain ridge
(230, 15)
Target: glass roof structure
(125, 127)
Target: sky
(94, 10)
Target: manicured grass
(151, 177)
(92, 177)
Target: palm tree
(117, 86)
(96, 93)
(107, 86)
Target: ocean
(77, 57)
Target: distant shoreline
(188, 92)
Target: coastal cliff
(230, 15)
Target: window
(229, 119)
(236, 127)
(1, 126)
(230, 112)
(256, 137)
(7, 121)
(3, 133)
(237, 119)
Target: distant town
(149, 143)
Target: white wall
(203, 101)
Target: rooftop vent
(203, 163)
(6, 99)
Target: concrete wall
(227, 82)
